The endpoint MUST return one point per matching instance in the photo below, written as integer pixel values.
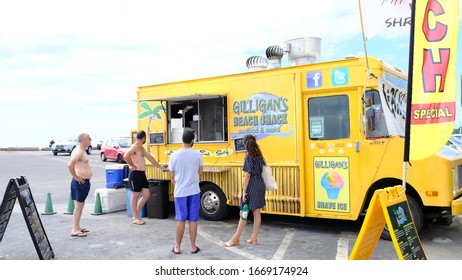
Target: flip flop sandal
(228, 244)
(138, 222)
(80, 234)
(252, 241)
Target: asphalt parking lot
(112, 236)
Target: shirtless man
(80, 169)
(137, 177)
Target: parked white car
(66, 146)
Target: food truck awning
(195, 96)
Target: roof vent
(303, 50)
(274, 55)
(256, 63)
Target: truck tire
(213, 203)
(417, 216)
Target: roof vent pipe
(256, 63)
(274, 55)
(303, 50)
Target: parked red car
(115, 148)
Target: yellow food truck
(332, 133)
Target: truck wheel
(213, 203)
(119, 158)
(103, 157)
(417, 216)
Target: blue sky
(72, 66)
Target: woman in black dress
(253, 190)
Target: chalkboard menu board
(19, 188)
(156, 138)
(6, 208)
(239, 144)
(389, 207)
(405, 231)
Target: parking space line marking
(342, 246)
(284, 245)
(95, 163)
(236, 250)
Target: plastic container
(112, 200)
(115, 175)
(128, 197)
(245, 212)
(157, 204)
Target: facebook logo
(314, 79)
(339, 76)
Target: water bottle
(245, 212)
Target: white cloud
(57, 57)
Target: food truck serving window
(329, 117)
(206, 115)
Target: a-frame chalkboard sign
(19, 188)
(389, 206)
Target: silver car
(66, 146)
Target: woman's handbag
(270, 183)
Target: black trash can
(157, 204)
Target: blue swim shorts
(187, 208)
(80, 192)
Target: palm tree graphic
(150, 112)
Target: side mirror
(367, 102)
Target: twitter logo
(339, 76)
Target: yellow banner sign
(434, 84)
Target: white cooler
(112, 200)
